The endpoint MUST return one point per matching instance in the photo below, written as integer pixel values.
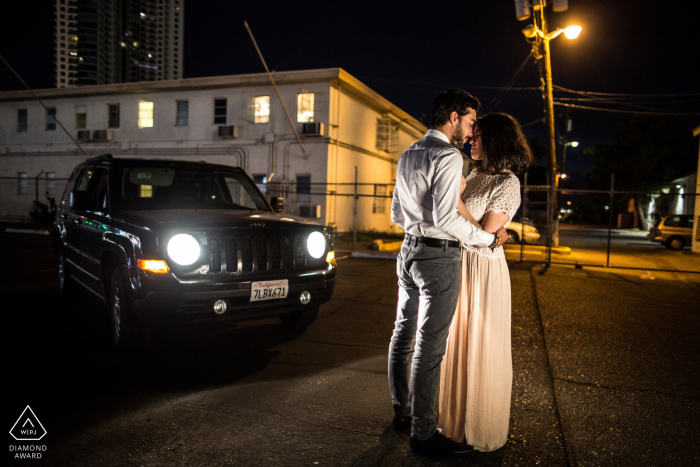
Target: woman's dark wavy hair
(503, 144)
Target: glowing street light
(539, 37)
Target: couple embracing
(452, 329)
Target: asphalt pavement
(606, 372)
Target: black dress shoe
(439, 445)
(401, 424)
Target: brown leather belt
(434, 242)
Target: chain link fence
(615, 229)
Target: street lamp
(539, 37)
(573, 144)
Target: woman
(477, 371)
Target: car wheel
(128, 332)
(301, 318)
(675, 243)
(64, 284)
(513, 236)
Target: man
(428, 186)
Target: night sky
(409, 52)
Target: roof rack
(102, 158)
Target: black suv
(171, 242)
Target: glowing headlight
(183, 249)
(316, 244)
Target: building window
(303, 188)
(387, 136)
(113, 115)
(80, 116)
(51, 118)
(23, 187)
(379, 205)
(383, 134)
(145, 114)
(305, 107)
(21, 120)
(220, 111)
(51, 183)
(261, 181)
(183, 110)
(262, 109)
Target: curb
(561, 250)
(362, 254)
(27, 231)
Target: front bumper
(194, 302)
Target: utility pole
(538, 36)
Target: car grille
(259, 252)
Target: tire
(675, 243)
(513, 236)
(128, 332)
(64, 284)
(301, 318)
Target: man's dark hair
(453, 100)
(503, 145)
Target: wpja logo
(28, 428)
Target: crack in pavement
(628, 388)
(330, 366)
(305, 422)
(569, 456)
(369, 346)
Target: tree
(647, 152)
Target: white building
(233, 120)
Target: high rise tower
(118, 41)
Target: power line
(676, 114)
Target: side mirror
(83, 201)
(277, 204)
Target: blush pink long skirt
(477, 371)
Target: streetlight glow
(574, 144)
(572, 32)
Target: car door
(78, 249)
(93, 227)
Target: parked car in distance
(166, 242)
(673, 231)
(525, 230)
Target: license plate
(269, 290)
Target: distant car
(526, 230)
(171, 242)
(673, 231)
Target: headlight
(316, 244)
(183, 249)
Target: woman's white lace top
(496, 193)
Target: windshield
(149, 188)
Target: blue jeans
(428, 289)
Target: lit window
(305, 107)
(80, 116)
(51, 118)
(262, 109)
(21, 120)
(220, 111)
(145, 114)
(183, 109)
(146, 191)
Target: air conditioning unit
(313, 129)
(84, 135)
(103, 135)
(310, 211)
(229, 131)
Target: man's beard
(457, 139)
